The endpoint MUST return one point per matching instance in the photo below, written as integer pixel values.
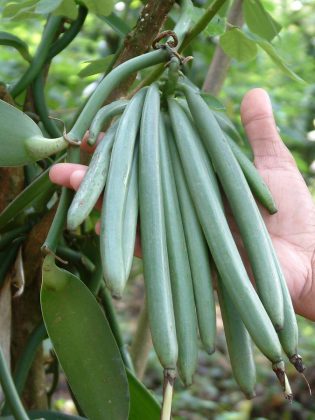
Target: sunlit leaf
(100, 7)
(237, 45)
(47, 6)
(259, 20)
(67, 8)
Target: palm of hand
(292, 230)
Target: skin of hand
(292, 228)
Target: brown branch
(221, 62)
(139, 40)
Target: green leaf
(237, 45)
(47, 6)
(143, 405)
(259, 20)
(100, 7)
(213, 102)
(84, 344)
(96, 66)
(16, 128)
(276, 58)
(215, 27)
(14, 9)
(67, 8)
(117, 24)
(15, 42)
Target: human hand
(292, 229)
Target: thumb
(257, 118)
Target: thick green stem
(25, 361)
(108, 84)
(10, 391)
(40, 57)
(41, 106)
(61, 43)
(209, 14)
(40, 147)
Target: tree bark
(27, 314)
(12, 183)
(139, 40)
(221, 62)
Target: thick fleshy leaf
(16, 128)
(96, 66)
(84, 344)
(237, 45)
(15, 42)
(143, 405)
(259, 20)
(273, 54)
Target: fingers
(68, 175)
(258, 121)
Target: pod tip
(297, 362)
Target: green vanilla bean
(108, 84)
(10, 391)
(50, 31)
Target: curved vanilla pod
(93, 182)
(238, 342)
(103, 116)
(243, 206)
(198, 254)
(180, 273)
(115, 196)
(153, 236)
